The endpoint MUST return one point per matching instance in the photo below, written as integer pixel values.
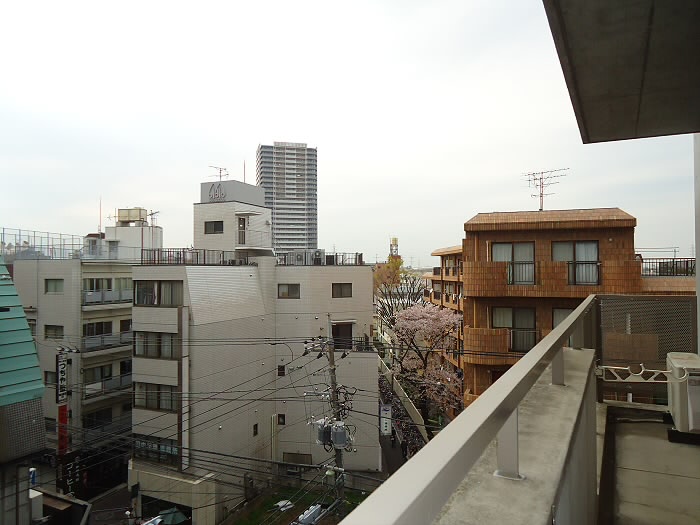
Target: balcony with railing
(353, 344)
(520, 272)
(253, 239)
(107, 386)
(95, 297)
(92, 343)
(539, 436)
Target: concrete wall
(228, 312)
(258, 225)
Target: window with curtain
(582, 257)
(521, 259)
(522, 325)
(156, 345)
(53, 285)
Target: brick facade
(484, 284)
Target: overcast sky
(423, 113)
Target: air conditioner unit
(684, 395)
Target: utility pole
(335, 405)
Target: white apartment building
(77, 294)
(288, 173)
(222, 389)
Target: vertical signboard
(385, 419)
(61, 378)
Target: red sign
(62, 429)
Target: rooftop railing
(319, 258)
(668, 267)
(191, 257)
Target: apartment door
(241, 230)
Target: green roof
(20, 374)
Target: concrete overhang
(632, 67)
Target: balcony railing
(91, 297)
(584, 273)
(107, 386)
(191, 257)
(92, 437)
(355, 344)
(254, 238)
(319, 258)
(521, 272)
(92, 343)
(668, 267)
(421, 487)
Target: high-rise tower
(287, 173)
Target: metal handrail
(419, 490)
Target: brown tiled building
(518, 274)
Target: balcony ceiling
(632, 67)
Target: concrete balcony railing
(107, 386)
(459, 458)
(92, 343)
(91, 297)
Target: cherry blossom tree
(422, 331)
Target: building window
(213, 227)
(97, 328)
(53, 331)
(582, 257)
(281, 371)
(288, 291)
(160, 450)
(520, 322)
(123, 283)
(155, 397)
(158, 293)
(98, 418)
(342, 289)
(97, 374)
(520, 257)
(157, 345)
(49, 378)
(281, 419)
(97, 284)
(53, 285)
(32, 326)
(125, 325)
(255, 429)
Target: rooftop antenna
(244, 171)
(541, 180)
(99, 226)
(223, 172)
(152, 215)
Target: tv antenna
(541, 180)
(152, 215)
(223, 172)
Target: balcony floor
(657, 482)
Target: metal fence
(191, 256)
(668, 267)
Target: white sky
(423, 113)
